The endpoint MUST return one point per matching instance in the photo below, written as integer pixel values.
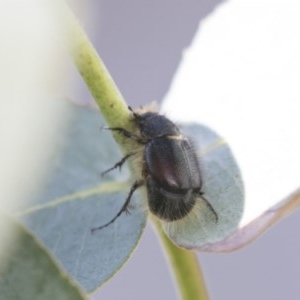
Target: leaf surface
(28, 272)
(77, 199)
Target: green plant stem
(115, 111)
(186, 269)
(97, 78)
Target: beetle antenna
(135, 186)
(137, 116)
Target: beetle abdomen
(168, 205)
(172, 164)
(172, 177)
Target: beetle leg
(210, 207)
(119, 164)
(124, 208)
(127, 134)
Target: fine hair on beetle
(169, 169)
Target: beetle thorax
(152, 125)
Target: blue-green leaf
(28, 272)
(78, 199)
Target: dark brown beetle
(170, 168)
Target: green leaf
(28, 272)
(78, 199)
(223, 188)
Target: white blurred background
(31, 110)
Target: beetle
(170, 168)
